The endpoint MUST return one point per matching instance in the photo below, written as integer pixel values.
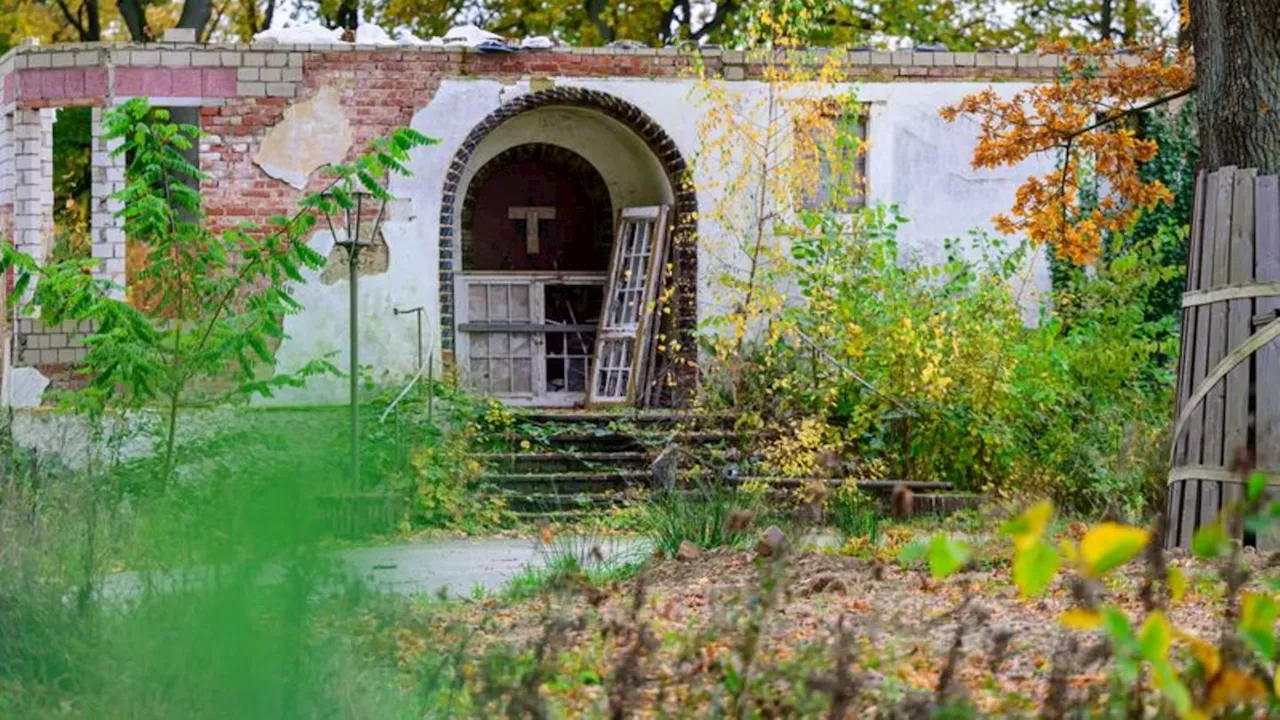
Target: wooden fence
(1229, 368)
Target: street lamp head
(354, 230)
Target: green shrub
(932, 370)
(700, 515)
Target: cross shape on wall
(531, 216)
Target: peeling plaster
(372, 260)
(26, 387)
(313, 133)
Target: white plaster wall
(915, 160)
(634, 176)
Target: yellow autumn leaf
(1155, 636)
(1204, 653)
(1110, 545)
(1177, 581)
(1234, 687)
(1030, 525)
(1080, 619)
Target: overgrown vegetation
(867, 361)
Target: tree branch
(1120, 115)
(74, 20)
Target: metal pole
(352, 254)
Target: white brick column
(107, 229)
(7, 177)
(33, 187)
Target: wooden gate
(1229, 367)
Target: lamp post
(355, 234)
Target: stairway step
(872, 485)
(628, 456)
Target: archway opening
(538, 187)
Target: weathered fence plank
(1239, 328)
(1176, 492)
(1267, 361)
(1217, 203)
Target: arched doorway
(535, 238)
(527, 221)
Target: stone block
(180, 35)
(248, 74)
(204, 58)
(269, 74)
(88, 58)
(175, 58)
(1006, 61)
(291, 75)
(735, 72)
(252, 89)
(255, 59)
(146, 57)
(231, 58)
(922, 59)
(881, 58)
(985, 59)
(62, 60)
(277, 59)
(282, 89)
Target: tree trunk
(1237, 50)
(195, 15)
(135, 19)
(94, 21)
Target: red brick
(157, 82)
(129, 81)
(95, 82)
(74, 82)
(186, 82)
(219, 82)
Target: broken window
(835, 138)
(625, 335)
(72, 182)
(576, 308)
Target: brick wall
(243, 90)
(38, 345)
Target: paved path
(461, 565)
(458, 566)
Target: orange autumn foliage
(1082, 115)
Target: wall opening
(72, 183)
(640, 166)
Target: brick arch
(683, 317)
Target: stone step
(560, 507)
(608, 440)
(631, 416)
(557, 462)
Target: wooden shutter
(629, 297)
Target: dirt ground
(902, 625)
